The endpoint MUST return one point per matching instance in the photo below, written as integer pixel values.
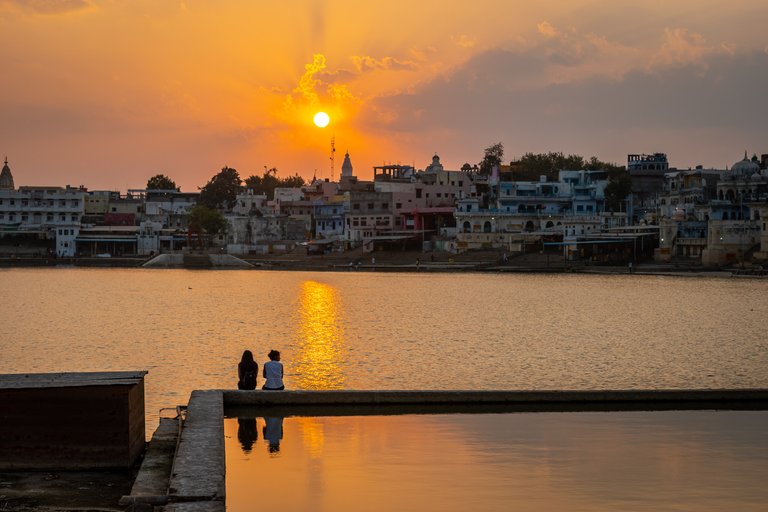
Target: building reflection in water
(321, 338)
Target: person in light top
(273, 372)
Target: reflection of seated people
(247, 433)
(273, 433)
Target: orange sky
(109, 93)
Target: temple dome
(346, 167)
(6, 178)
(745, 167)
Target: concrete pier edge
(198, 480)
(377, 397)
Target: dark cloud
(491, 98)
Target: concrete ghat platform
(198, 485)
(637, 396)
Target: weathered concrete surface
(26, 491)
(199, 506)
(236, 397)
(71, 421)
(199, 468)
(190, 260)
(152, 481)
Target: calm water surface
(638, 461)
(362, 330)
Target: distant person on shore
(247, 370)
(273, 372)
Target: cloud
(700, 109)
(366, 63)
(308, 82)
(50, 6)
(546, 29)
(681, 47)
(464, 41)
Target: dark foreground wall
(71, 420)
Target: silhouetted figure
(247, 370)
(247, 433)
(273, 372)
(273, 433)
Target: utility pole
(333, 155)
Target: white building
(52, 213)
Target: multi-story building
(712, 217)
(47, 213)
(368, 215)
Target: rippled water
(362, 330)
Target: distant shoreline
(464, 266)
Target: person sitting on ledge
(273, 372)
(247, 370)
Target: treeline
(221, 193)
(222, 189)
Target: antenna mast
(333, 155)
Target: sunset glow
(107, 94)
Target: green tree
(161, 182)
(493, 156)
(207, 221)
(617, 190)
(221, 191)
(268, 182)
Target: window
(418, 193)
(580, 208)
(356, 206)
(385, 206)
(74, 217)
(398, 205)
(370, 206)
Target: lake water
(362, 330)
(538, 462)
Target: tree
(618, 188)
(493, 156)
(205, 220)
(221, 191)
(268, 182)
(161, 182)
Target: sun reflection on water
(321, 338)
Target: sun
(322, 119)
